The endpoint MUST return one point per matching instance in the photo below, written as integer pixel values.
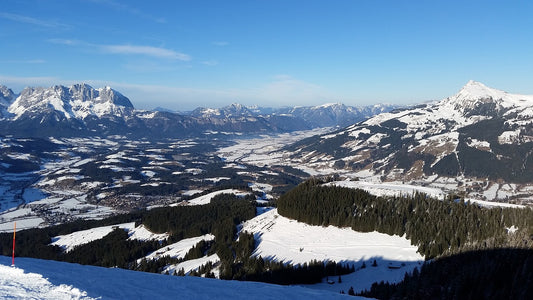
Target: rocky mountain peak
(77, 101)
(6, 96)
(475, 98)
(474, 90)
(108, 94)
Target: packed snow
(17, 284)
(42, 279)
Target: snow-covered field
(179, 249)
(259, 151)
(398, 189)
(390, 189)
(41, 279)
(69, 241)
(290, 241)
(205, 199)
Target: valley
(326, 208)
(91, 178)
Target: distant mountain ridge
(479, 140)
(82, 110)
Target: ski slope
(42, 279)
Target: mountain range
(81, 110)
(478, 141)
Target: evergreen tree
(351, 292)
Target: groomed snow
(17, 284)
(73, 281)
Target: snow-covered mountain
(80, 110)
(6, 98)
(332, 114)
(478, 141)
(326, 115)
(232, 110)
(78, 101)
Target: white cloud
(32, 21)
(157, 52)
(145, 50)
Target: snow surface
(42, 279)
(179, 249)
(390, 189)
(16, 284)
(193, 264)
(206, 199)
(141, 233)
(290, 241)
(69, 241)
(294, 242)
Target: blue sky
(185, 54)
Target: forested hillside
(220, 217)
(436, 227)
(475, 252)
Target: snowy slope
(206, 199)
(477, 142)
(390, 189)
(282, 239)
(290, 241)
(70, 241)
(41, 279)
(179, 249)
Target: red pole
(14, 233)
